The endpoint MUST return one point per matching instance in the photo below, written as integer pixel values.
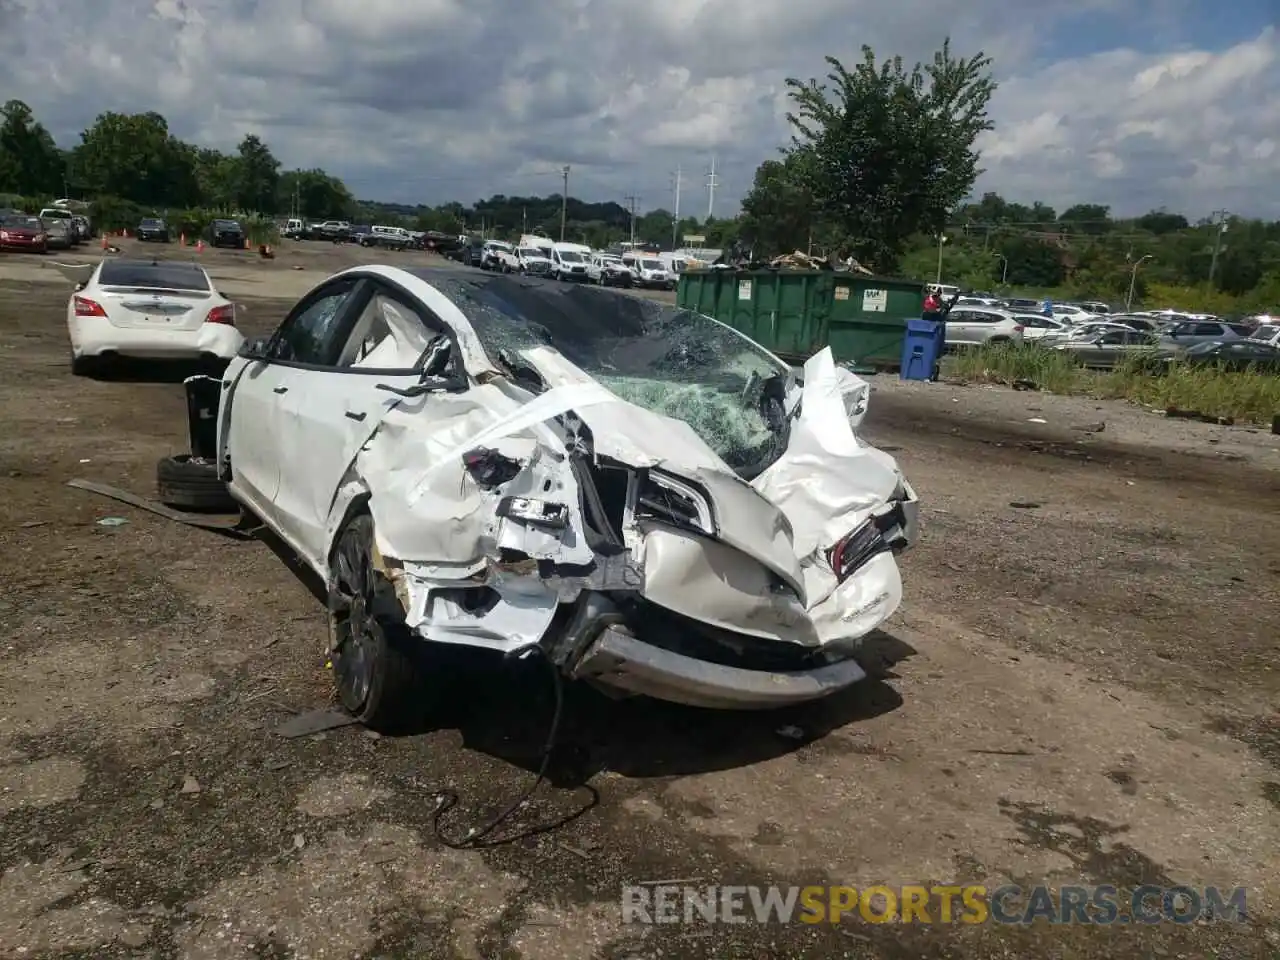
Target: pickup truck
(338, 231)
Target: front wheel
(375, 657)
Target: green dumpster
(795, 313)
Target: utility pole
(675, 217)
(631, 201)
(1220, 220)
(564, 201)
(711, 188)
(942, 238)
(524, 220)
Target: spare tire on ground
(191, 483)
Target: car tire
(83, 366)
(191, 484)
(377, 662)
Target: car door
(339, 404)
(1107, 349)
(256, 426)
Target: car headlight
(667, 499)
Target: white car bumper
(94, 337)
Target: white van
(569, 261)
(648, 271)
(944, 290)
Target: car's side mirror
(255, 349)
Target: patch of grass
(1206, 389)
(1210, 390)
(1051, 370)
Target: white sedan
(153, 309)
(641, 495)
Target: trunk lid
(143, 308)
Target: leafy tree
(134, 156)
(257, 176)
(1088, 218)
(313, 194)
(1161, 222)
(889, 152)
(779, 214)
(30, 162)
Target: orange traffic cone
(199, 246)
(104, 241)
(182, 239)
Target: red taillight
(1018, 328)
(88, 308)
(223, 314)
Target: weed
(1211, 390)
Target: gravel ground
(1079, 691)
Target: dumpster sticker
(875, 301)
(744, 289)
(842, 293)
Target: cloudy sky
(1132, 103)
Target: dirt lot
(1081, 689)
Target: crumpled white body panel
(828, 483)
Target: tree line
(880, 163)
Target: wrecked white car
(641, 494)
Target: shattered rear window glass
(671, 361)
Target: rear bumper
(622, 662)
(92, 337)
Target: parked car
(227, 233)
(1236, 355)
(153, 228)
(533, 261)
(1038, 327)
(969, 326)
(472, 252)
(1106, 350)
(81, 230)
(609, 271)
(498, 256)
(1267, 333)
(56, 212)
(294, 229)
(24, 233)
(335, 231)
(1084, 332)
(1188, 333)
(59, 234)
(485, 460)
(154, 309)
(391, 238)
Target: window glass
(307, 336)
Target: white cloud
(458, 99)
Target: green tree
(133, 155)
(778, 214)
(1087, 218)
(30, 162)
(257, 176)
(314, 195)
(889, 152)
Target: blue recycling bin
(921, 348)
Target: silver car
(972, 326)
(1106, 350)
(60, 232)
(1179, 336)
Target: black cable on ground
(476, 836)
